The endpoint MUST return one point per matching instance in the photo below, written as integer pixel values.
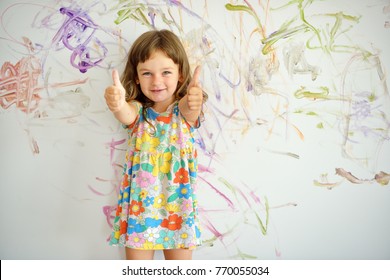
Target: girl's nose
(156, 79)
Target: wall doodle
(293, 151)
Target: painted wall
(294, 150)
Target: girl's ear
(181, 79)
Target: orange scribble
(18, 84)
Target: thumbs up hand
(195, 92)
(190, 105)
(115, 94)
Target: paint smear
(77, 35)
(18, 84)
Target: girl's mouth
(157, 90)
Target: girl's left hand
(195, 92)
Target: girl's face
(158, 77)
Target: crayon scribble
(386, 11)
(77, 35)
(19, 84)
(278, 78)
(381, 178)
(363, 121)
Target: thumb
(116, 79)
(195, 78)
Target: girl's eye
(146, 74)
(167, 72)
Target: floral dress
(157, 206)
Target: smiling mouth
(157, 90)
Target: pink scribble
(108, 210)
(113, 147)
(204, 169)
(209, 225)
(229, 202)
(255, 198)
(115, 183)
(76, 34)
(18, 84)
(386, 11)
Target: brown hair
(141, 50)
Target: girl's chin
(161, 98)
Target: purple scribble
(230, 83)
(152, 15)
(362, 109)
(76, 34)
(362, 112)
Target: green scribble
(243, 256)
(287, 29)
(371, 97)
(311, 113)
(327, 185)
(242, 8)
(135, 14)
(335, 32)
(292, 2)
(230, 187)
(138, 12)
(131, 10)
(320, 34)
(303, 18)
(170, 21)
(299, 23)
(282, 33)
(285, 153)
(209, 242)
(262, 227)
(233, 190)
(320, 125)
(286, 32)
(323, 93)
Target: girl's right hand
(115, 95)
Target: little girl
(160, 104)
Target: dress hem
(156, 249)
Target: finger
(195, 78)
(195, 105)
(116, 79)
(195, 93)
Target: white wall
(270, 144)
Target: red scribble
(18, 84)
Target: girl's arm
(128, 113)
(115, 95)
(190, 105)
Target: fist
(115, 95)
(195, 92)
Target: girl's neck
(161, 108)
